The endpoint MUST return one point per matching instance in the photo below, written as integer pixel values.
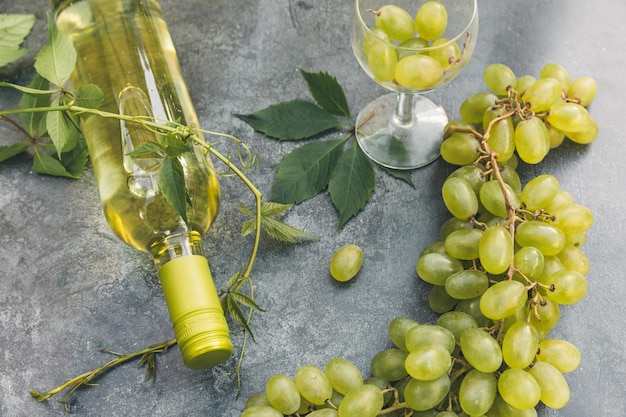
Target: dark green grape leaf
(305, 171)
(352, 183)
(32, 120)
(14, 28)
(7, 152)
(245, 300)
(291, 120)
(401, 174)
(55, 61)
(49, 165)
(75, 160)
(327, 92)
(172, 185)
(233, 309)
(89, 96)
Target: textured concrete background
(68, 287)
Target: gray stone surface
(69, 288)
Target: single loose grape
(364, 401)
(428, 362)
(419, 72)
(583, 89)
(313, 384)
(481, 350)
(560, 353)
(503, 299)
(282, 393)
(343, 375)
(424, 395)
(431, 20)
(518, 388)
(477, 392)
(555, 392)
(498, 78)
(346, 262)
(495, 249)
(395, 21)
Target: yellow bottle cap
(196, 312)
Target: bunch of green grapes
(391, 47)
(522, 115)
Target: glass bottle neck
(175, 246)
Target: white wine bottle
(124, 47)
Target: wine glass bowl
(410, 47)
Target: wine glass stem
(404, 109)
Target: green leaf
(273, 227)
(7, 152)
(327, 92)
(29, 90)
(233, 309)
(49, 165)
(291, 120)
(352, 183)
(271, 208)
(8, 55)
(32, 120)
(245, 300)
(147, 148)
(62, 130)
(75, 160)
(401, 174)
(56, 60)
(172, 184)
(14, 28)
(306, 171)
(89, 96)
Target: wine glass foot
(401, 141)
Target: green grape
(576, 240)
(447, 53)
(551, 264)
(546, 237)
(557, 72)
(463, 243)
(388, 364)
(477, 392)
(430, 334)
(346, 262)
(435, 268)
(398, 330)
(503, 299)
(587, 135)
(336, 398)
(474, 175)
(555, 392)
(323, 412)
(313, 384)
(440, 301)
(460, 149)
(573, 258)
(501, 408)
(459, 198)
(539, 192)
(471, 306)
(572, 218)
(382, 385)
(498, 78)
(363, 401)
(382, 60)
(481, 350)
(261, 411)
(542, 94)
(562, 197)
(492, 198)
(519, 345)
(451, 225)
(258, 399)
(409, 46)
(474, 106)
(568, 117)
(501, 138)
(457, 322)
(583, 89)
(396, 22)
(545, 315)
(446, 414)
(495, 249)
(518, 388)
(419, 72)
(431, 20)
(509, 176)
(428, 362)
(560, 353)
(529, 261)
(556, 136)
(523, 82)
(424, 395)
(343, 375)
(466, 284)
(433, 247)
(520, 314)
(282, 393)
(569, 287)
(532, 140)
(375, 37)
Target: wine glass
(403, 129)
